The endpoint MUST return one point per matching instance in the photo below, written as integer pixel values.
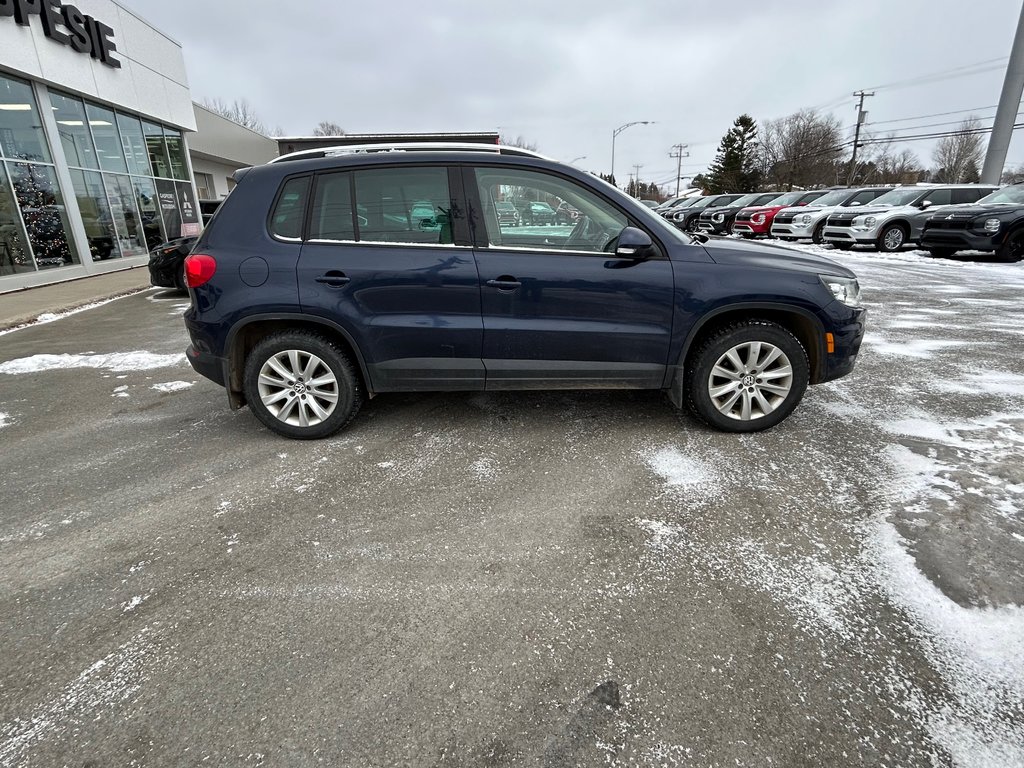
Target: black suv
(994, 224)
(316, 286)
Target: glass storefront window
(99, 225)
(130, 237)
(157, 149)
(14, 253)
(74, 131)
(108, 140)
(44, 214)
(149, 210)
(21, 131)
(176, 154)
(134, 145)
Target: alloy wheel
(750, 380)
(298, 388)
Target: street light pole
(619, 130)
(581, 157)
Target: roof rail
(414, 146)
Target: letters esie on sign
(66, 25)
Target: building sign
(66, 25)
(189, 210)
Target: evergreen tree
(735, 168)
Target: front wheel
(818, 237)
(747, 377)
(300, 385)
(892, 238)
(1012, 248)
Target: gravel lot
(552, 579)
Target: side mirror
(633, 244)
(926, 204)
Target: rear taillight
(199, 268)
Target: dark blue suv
(328, 276)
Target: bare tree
(898, 167)
(328, 128)
(958, 157)
(801, 150)
(1013, 175)
(518, 141)
(239, 111)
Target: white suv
(893, 220)
(808, 221)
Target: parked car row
(942, 218)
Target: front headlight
(844, 289)
(757, 218)
(718, 218)
(869, 221)
(992, 225)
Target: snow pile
(5, 419)
(115, 361)
(173, 386)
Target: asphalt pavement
(549, 579)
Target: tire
(326, 408)
(721, 367)
(179, 279)
(818, 236)
(1012, 249)
(941, 253)
(892, 238)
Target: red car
(757, 222)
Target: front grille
(786, 218)
(941, 222)
(841, 219)
(743, 217)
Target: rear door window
(404, 205)
(969, 195)
(938, 197)
(332, 217)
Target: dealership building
(96, 122)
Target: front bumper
(751, 229)
(713, 227)
(850, 235)
(961, 239)
(848, 335)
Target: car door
(402, 283)
(560, 309)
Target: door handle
(504, 283)
(334, 279)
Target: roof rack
(414, 146)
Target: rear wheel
(892, 238)
(747, 377)
(301, 385)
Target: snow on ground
(115, 361)
(173, 386)
(5, 419)
(940, 387)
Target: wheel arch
(801, 322)
(246, 333)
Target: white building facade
(94, 159)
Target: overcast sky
(565, 73)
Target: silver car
(808, 221)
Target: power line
(946, 74)
(934, 114)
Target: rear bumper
(163, 276)
(212, 367)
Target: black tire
(346, 386)
(892, 238)
(818, 236)
(1012, 249)
(709, 353)
(841, 246)
(941, 253)
(179, 278)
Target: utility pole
(1006, 114)
(679, 154)
(861, 116)
(636, 170)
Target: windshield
(1013, 194)
(835, 197)
(704, 202)
(899, 196)
(747, 200)
(766, 198)
(788, 199)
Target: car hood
(722, 209)
(764, 208)
(979, 210)
(747, 254)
